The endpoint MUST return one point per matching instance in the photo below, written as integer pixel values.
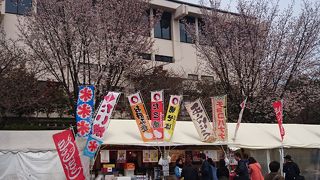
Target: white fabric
(27, 141)
(126, 132)
(32, 155)
(30, 166)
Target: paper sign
(219, 110)
(171, 116)
(140, 115)
(201, 121)
(157, 113)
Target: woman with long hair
(254, 169)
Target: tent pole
(281, 158)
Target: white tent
(32, 154)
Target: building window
(168, 59)
(207, 78)
(162, 29)
(145, 56)
(21, 7)
(193, 77)
(184, 37)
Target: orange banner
(140, 115)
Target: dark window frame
(162, 29)
(19, 7)
(163, 58)
(193, 77)
(184, 37)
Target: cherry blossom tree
(88, 41)
(261, 52)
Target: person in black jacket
(290, 169)
(222, 171)
(242, 168)
(189, 172)
(206, 171)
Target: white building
(172, 45)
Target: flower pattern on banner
(85, 94)
(83, 128)
(91, 147)
(84, 111)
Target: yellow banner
(219, 110)
(171, 116)
(140, 115)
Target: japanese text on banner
(157, 113)
(69, 155)
(201, 121)
(171, 116)
(140, 115)
(219, 110)
(278, 109)
(102, 118)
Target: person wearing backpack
(291, 169)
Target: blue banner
(85, 110)
(91, 147)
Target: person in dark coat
(222, 171)
(206, 172)
(213, 169)
(241, 169)
(290, 168)
(189, 172)
(274, 167)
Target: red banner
(157, 113)
(278, 109)
(69, 155)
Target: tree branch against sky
(87, 42)
(260, 51)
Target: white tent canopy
(34, 153)
(125, 132)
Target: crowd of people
(247, 169)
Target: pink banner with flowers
(157, 113)
(278, 109)
(69, 155)
(102, 118)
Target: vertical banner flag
(140, 115)
(219, 110)
(278, 109)
(201, 121)
(242, 105)
(101, 123)
(171, 116)
(69, 155)
(157, 113)
(84, 110)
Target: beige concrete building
(173, 47)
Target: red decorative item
(85, 94)
(84, 111)
(83, 128)
(69, 155)
(278, 109)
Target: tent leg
(268, 159)
(281, 159)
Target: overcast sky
(282, 4)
